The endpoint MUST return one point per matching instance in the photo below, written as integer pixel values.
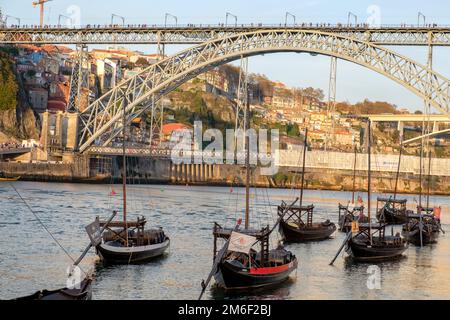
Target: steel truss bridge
(384, 35)
(102, 120)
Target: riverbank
(163, 172)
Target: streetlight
(288, 14)
(350, 14)
(8, 16)
(172, 16)
(63, 16)
(231, 15)
(420, 15)
(117, 16)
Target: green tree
(293, 130)
(8, 84)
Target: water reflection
(187, 215)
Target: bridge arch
(103, 116)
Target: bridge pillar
(175, 172)
(58, 129)
(400, 127)
(44, 131)
(435, 126)
(210, 169)
(71, 142)
(184, 172)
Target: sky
(354, 83)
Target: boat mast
(305, 146)
(420, 172)
(369, 145)
(124, 173)
(429, 176)
(398, 165)
(247, 165)
(354, 175)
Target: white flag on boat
(241, 242)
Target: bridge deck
(192, 34)
(14, 151)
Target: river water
(31, 260)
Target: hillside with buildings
(37, 79)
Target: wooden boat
(424, 227)
(346, 217)
(143, 245)
(368, 242)
(368, 246)
(125, 242)
(84, 292)
(3, 177)
(421, 229)
(239, 270)
(292, 226)
(294, 229)
(392, 211)
(237, 265)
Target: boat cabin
(137, 235)
(346, 216)
(295, 215)
(425, 210)
(398, 205)
(376, 232)
(261, 235)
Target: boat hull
(84, 292)
(232, 277)
(315, 233)
(391, 216)
(413, 236)
(360, 251)
(10, 179)
(111, 254)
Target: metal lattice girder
(242, 95)
(156, 122)
(198, 34)
(102, 116)
(331, 106)
(79, 79)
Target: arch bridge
(102, 121)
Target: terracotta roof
(170, 127)
(56, 104)
(29, 47)
(52, 48)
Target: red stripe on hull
(270, 270)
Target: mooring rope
(45, 227)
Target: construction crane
(41, 4)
